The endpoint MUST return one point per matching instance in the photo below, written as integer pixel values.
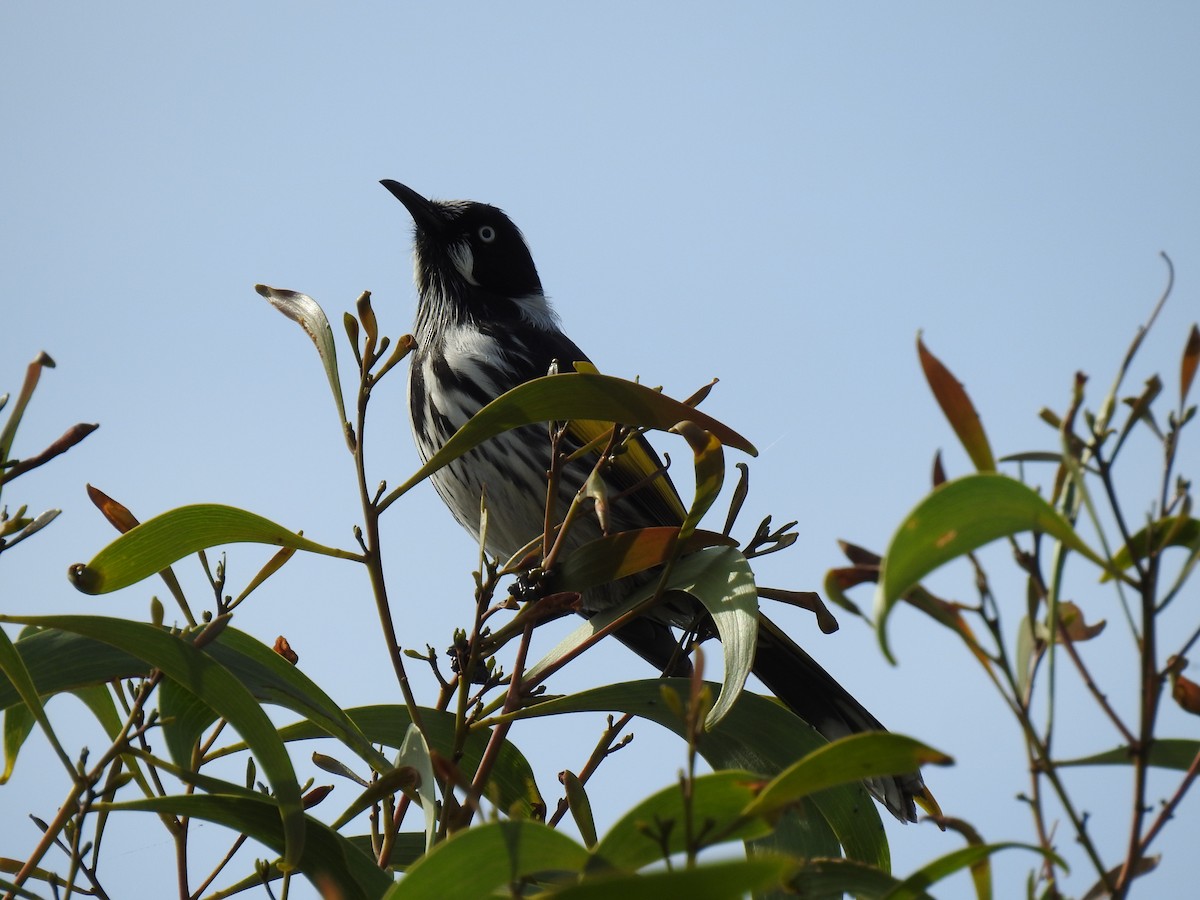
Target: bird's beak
(427, 216)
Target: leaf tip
(86, 580)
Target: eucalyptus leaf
(570, 395)
(334, 865)
(956, 518)
(153, 545)
(307, 313)
(204, 677)
(764, 737)
(489, 857)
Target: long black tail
(807, 689)
(815, 696)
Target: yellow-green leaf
(849, 759)
(567, 396)
(626, 553)
(956, 518)
(710, 472)
(478, 861)
(1173, 531)
(153, 545)
(209, 681)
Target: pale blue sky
(780, 197)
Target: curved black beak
(427, 216)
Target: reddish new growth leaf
(118, 516)
(1187, 368)
(958, 409)
(284, 649)
(1185, 691)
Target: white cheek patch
(536, 310)
(464, 261)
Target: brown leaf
(316, 795)
(1070, 617)
(809, 600)
(1185, 691)
(284, 649)
(118, 516)
(958, 409)
(1187, 368)
(860, 556)
(1187, 694)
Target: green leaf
(512, 775)
(152, 546)
(721, 579)
(957, 407)
(409, 847)
(414, 752)
(762, 736)
(833, 879)
(1173, 531)
(571, 395)
(18, 725)
(59, 662)
(580, 807)
(849, 759)
(199, 673)
(626, 553)
(63, 661)
(272, 679)
(1165, 753)
(334, 865)
(956, 518)
(726, 588)
(99, 699)
(487, 858)
(718, 801)
(1100, 890)
(913, 887)
(1026, 647)
(710, 472)
(13, 666)
(184, 718)
(716, 881)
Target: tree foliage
(440, 793)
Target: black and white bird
(485, 326)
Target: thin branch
(69, 439)
(604, 748)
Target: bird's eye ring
(487, 233)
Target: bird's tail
(814, 695)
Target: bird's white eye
(487, 233)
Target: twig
(69, 439)
(1084, 673)
(604, 748)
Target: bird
(484, 325)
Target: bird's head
(470, 252)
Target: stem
(604, 747)
(237, 845)
(1168, 810)
(83, 781)
(512, 701)
(371, 557)
(1099, 696)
